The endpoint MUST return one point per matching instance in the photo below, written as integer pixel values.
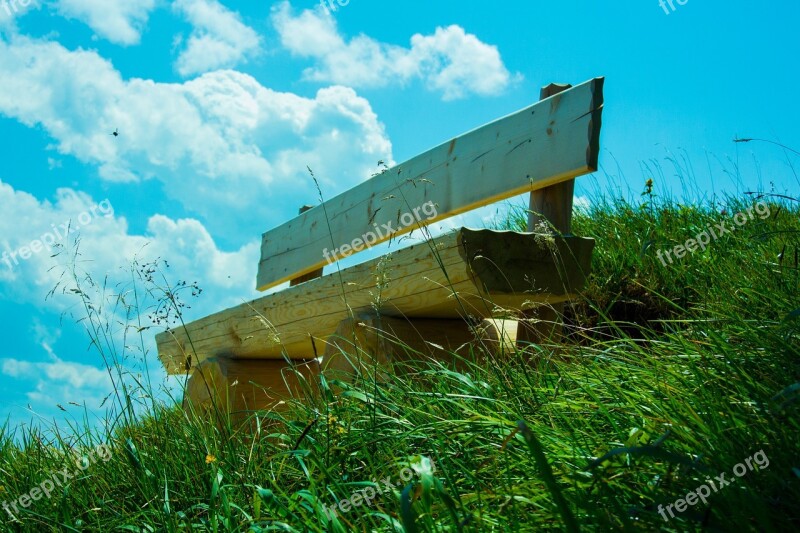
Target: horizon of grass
(669, 375)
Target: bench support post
(552, 206)
(549, 211)
(311, 275)
(370, 343)
(241, 386)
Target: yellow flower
(210, 459)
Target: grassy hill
(672, 375)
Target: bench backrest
(546, 143)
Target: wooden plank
(242, 386)
(552, 206)
(313, 274)
(373, 342)
(478, 273)
(554, 140)
(549, 211)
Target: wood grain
(467, 273)
(549, 142)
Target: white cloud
(219, 39)
(223, 145)
(11, 11)
(44, 336)
(76, 375)
(57, 381)
(451, 61)
(107, 247)
(582, 203)
(121, 22)
(48, 388)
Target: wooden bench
(462, 291)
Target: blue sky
(221, 105)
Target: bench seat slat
(474, 273)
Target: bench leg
(377, 343)
(241, 386)
(543, 325)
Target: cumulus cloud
(75, 375)
(107, 246)
(450, 61)
(119, 22)
(582, 203)
(219, 39)
(55, 381)
(10, 12)
(222, 144)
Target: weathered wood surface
(550, 211)
(377, 343)
(552, 206)
(552, 141)
(313, 274)
(477, 273)
(241, 386)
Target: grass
(670, 376)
